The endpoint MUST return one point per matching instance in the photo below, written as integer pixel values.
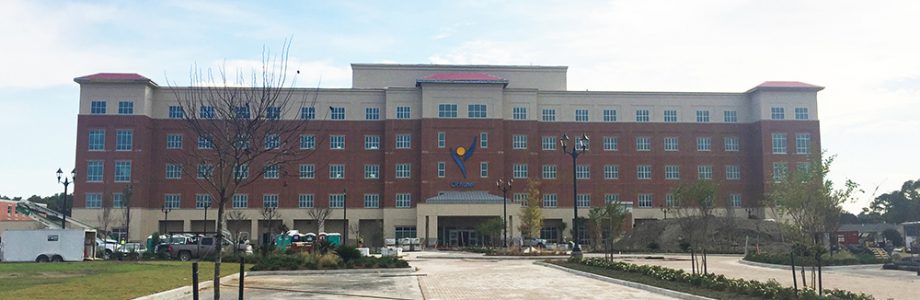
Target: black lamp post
(665, 209)
(504, 186)
(206, 205)
(66, 182)
(165, 211)
(345, 215)
(580, 147)
(749, 210)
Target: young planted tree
(694, 206)
(490, 230)
(126, 196)
(531, 214)
(235, 220)
(319, 214)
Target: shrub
(323, 247)
(839, 259)
(653, 246)
(328, 261)
(348, 253)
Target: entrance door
(463, 237)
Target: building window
(176, 112)
(670, 144)
(371, 171)
(549, 115)
(670, 116)
(549, 143)
(403, 141)
(371, 200)
(338, 112)
(118, 200)
(672, 172)
(645, 200)
(308, 113)
(476, 111)
(703, 143)
(549, 172)
(730, 116)
(202, 201)
(581, 115)
(643, 143)
(204, 171)
(610, 143)
(777, 113)
(702, 116)
(270, 200)
(801, 113)
(669, 200)
(171, 201)
(519, 113)
(307, 171)
(174, 171)
(583, 172)
(271, 171)
(372, 113)
(336, 171)
(337, 142)
(94, 171)
(122, 171)
(611, 172)
(241, 172)
(307, 141)
(583, 200)
(447, 110)
(734, 199)
(126, 107)
(405, 232)
(779, 143)
(442, 139)
(519, 171)
(442, 169)
(483, 140)
(610, 115)
(704, 172)
(779, 171)
(519, 141)
(305, 200)
(206, 112)
(484, 169)
(733, 172)
(243, 112)
(550, 200)
(643, 115)
(802, 143)
(519, 198)
(273, 113)
(240, 200)
(403, 112)
(205, 142)
(372, 142)
(644, 172)
(732, 144)
(611, 198)
(97, 107)
(272, 141)
(403, 171)
(403, 200)
(337, 200)
(96, 140)
(173, 141)
(93, 200)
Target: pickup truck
(195, 247)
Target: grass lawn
(636, 277)
(99, 279)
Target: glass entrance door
(463, 237)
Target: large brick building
(420, 147)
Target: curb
(645, 287)
(327, 272)
(496, 257)
(827, 268)
(185, 291)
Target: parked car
(196, 247)
(132, 247)
(537, 243)
(106, 248)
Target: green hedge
(330, 261)
(769, 290)
(841, 259)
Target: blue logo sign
(461, 155)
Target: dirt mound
(727, 235)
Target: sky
(866, 54)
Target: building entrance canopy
(466, 197)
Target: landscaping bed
(839, 259)
(345, 257)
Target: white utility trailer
(47, 245)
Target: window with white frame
(205, 142)
(734, 199)
(403, 170)
(270, 200)
(583, 200)
(403, 112)
(483, 140)
(173, 141)
(519, 198)
(241, 171)
(643, 115)
(779, 143)
(94, 171)
(243, 141)
(704, 172)
(732, 144)
(271, 171)
(549, 115)
(610, 198)
(308, 113)
(202, 201)
(519, 171)
(519, 141)
(176, 112)
(403, 200)
(548, 143)
(272, 141)
(442, 169)
(96, 140)
(442, 139)
(372, 142)
(777, 113)
(125, 107)
(204, 171)
(550, 200)
(611, 143)
(644, 172)
(173, 171)
(702, 116)
(118, 200)
(549, 172)
(337, 112)
(476, 111)
(240, 200)
(122, 171)
(611, 172)
(730, 116)
(273, 113)
(519, 113)
(337, 142)
(305, 200)
(406, 232)
(484, 169)
(733, 172)
(336, 171)
(801, 113)
(802, 143)
(669, 200)
(371, 200)
(610, 115)
(93, 200)
(171, 201)
(672, 172)
(372, 113)
(779, 171)
(581, 115)
(643, 143)
(206, 112)
(670, 116)
(671, 144)
(371, 171)
(307, 171)
(97, 107)
(703, 143)
(307, 141)
(583, 172)
(645, 200)
(403, 141)
(447, 110)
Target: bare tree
(245, 125)
(235, 220)
(105, 219)
(126, 195)
(270, 214)
(320, 214)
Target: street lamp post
(345, 215)
(665, 210)
(66, 182)
(504, 186)
(206, 205)
(580, 147)
(165, 211)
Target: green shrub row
(328, 261)
(842, 259)
(769, 290)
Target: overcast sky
(866, 54)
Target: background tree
(694, 204)
(531, 214)
(126, 195)
(490, 230)
(235, 220)
(897, 206)
(319, 214)
(597, 223)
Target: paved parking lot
(324, 286)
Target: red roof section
(462, 77)
(788, 84)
